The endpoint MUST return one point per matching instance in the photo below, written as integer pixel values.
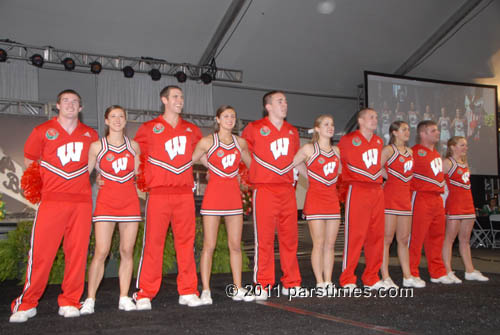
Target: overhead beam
(438, 35)
(224, 25)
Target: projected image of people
(459, 109)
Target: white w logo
(329, 168)
(437, 165)
(370, 157)
(408, 166)
(465, 177)
(228, 160)
(70, 152)
(120, 164)
(176, 146)
(280, 147)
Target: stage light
(69, 64)
(3, 55)
(37, 60)
(155, 74)
(128, 71)
(95, 67)
(206, 77)
(181, 76)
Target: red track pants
(427, 229)
(364, 228)
(161, 209)
(55, 220)
(275, 208)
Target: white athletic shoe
(206, 297)
(69, 311)
(442, 280)
(243, 295)
(454, 278)
(293, 291)
(415, 282)
(321, 290)
(191, 300)
(389, 283)
(126, 304)
(22, 316)
(329, 287)
(261, 294)
(143, 304)
(87, 307)
(475, 275)
(349, 287)
(377, 286)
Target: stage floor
(468, 308)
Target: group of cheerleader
(223, 186)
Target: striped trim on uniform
(321, 179)
(256, 248)
(120, 180)
(111, 218)
(321, 217)
(429, 180)
(139, 268)
(413, 196)
(64, 174)
(460, 216)
(272, 167)
(221, 212)
(397, 212)
(399, 175)
(346, 227)
(169, 167)
(29, 268)
(365, 173)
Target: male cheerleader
(273, 143)
(61, 147)
(360, 153)
(428, 225)
(167, 143)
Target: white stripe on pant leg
(139, 268)
(346, 227)
(29, 269)
(413, 196)
(256, 250)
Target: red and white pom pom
(31, 183)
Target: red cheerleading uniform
(459, 204)
(117, 199)
(222, 195)
(397, 193)
(428, 222)
(64, 213)
(169, 177)
(364, 208)
(322, 202)
(274, 203)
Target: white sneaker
(293, 291)
(261, 294)
(22, 316)
(191, 300)
(454, 278)
(475, 275)
(87, 307)
(126, 304)
(389, 283)
(442, 280)
(349, 287)
(330, 288)
(243, 295)
(377, 286)
(143, 304)
(321, 290)
(416, 282)
(206, 297)
(69, 311)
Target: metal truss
(54, 58)
(23, 107)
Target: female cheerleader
(224, 151)
(114, 157)
(459, 208)
(321, 207)
(397, 162)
